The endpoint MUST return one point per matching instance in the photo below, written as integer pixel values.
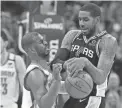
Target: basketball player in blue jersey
(38, 80)
(89, 49)
(12, 70)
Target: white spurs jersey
(48, 82)
(9, 86)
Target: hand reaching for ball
(73, 65)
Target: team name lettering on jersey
(7, 73)
(83, 50)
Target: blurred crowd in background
(13, 12)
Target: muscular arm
(108, 47)
(21, 69)
(44, 98)
(63, 52)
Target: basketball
(80, 86)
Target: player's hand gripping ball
(79, 86)
(74, 64)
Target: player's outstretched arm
(108, 47)
(63, 52)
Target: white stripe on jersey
(94, 102)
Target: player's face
(42, 47)
(3, 44)
(87, 22)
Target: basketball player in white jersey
(12, 69)
(37, 79)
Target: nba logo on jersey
(93, 43)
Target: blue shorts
(91, 102)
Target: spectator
(112, 100)
(114, 81)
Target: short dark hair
(92, 8)
(4, 34)
(28, 39)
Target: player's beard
(43, 55)
(91, 32)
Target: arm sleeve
(64, 52)
(61, 56)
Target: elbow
(100, 80)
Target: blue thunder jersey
(89, 48)
(9, 86)
(48, 80)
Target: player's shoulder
(109, 37)
(73, 32)
(70, 35)
(35, 76)
(109, 41)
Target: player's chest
(82, 48)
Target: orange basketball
(80, 86)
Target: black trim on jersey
(25, 78)
(61, 56)
(27, 88)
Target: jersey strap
(104, 33)
(94, 37)
(29, 69)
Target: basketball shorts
(91, 102)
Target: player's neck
(39, 61)
(97, 31)
(3, 57)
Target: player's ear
(97, 19)
(32, 49)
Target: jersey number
(4, 85)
